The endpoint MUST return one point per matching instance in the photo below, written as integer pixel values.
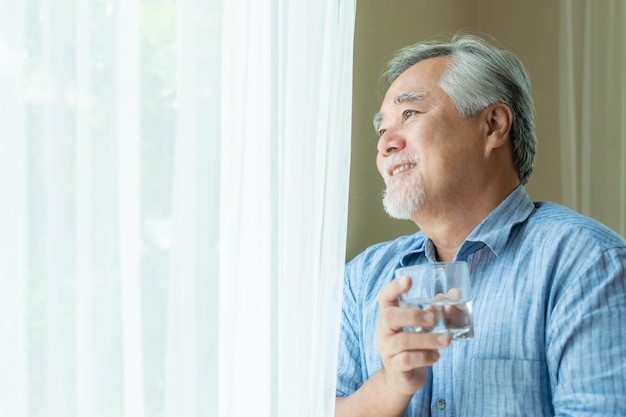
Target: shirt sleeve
(586, 341)
(349, 375)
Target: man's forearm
(373, 399)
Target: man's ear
(498, 119)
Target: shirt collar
(492, 232)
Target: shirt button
(441, 403)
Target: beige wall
(528, 28)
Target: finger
(454, 294)
(399, 359)
(392, 345)
(388, 296)
(412, 341)
(440, 297)
(409, 360)
(393, 319)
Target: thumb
(388, 296)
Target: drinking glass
(444, 289)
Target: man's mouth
(401, 168)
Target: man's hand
(405, 355)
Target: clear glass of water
(444, 289)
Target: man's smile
(399, 168)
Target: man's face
(426, 151)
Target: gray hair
(479, 75)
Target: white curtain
(593, 109)
(284, 180)
(174, 182)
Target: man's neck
(448, 227)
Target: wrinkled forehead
(417, 82)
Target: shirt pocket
(502, 387)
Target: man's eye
(381, 132)
(408, 113)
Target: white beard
(403, 196)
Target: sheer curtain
(174, 182)
(285, 156)
(593, 109)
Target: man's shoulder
(384, 251)
(554, 220)
(372, 268)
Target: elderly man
(456, 145)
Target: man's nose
(390, 140)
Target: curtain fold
(593, 104)
(128, 129)
(173, 216)
(13, 218)
(283, 203)
(84, 205)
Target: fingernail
(443, 339)
(404, 281)
(429, 317)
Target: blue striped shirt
(549, 307)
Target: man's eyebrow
(408, 97)
(401, 98)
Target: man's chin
(397, 215)
(399, 211)
(402, 207)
